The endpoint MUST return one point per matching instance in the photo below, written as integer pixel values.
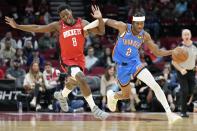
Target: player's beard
(70, 21)
(135, 31)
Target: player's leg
(85, 89)
(124, 77)
(78, 79)
(149, 80)
(70, 84)
(125, 93)
(113, 97)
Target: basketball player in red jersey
(71, 39)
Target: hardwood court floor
(86, 122)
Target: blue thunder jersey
(126, 48)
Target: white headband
(142, 18)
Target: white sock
(147, 78)
(65, 92)
(111, 93)
(90, 101)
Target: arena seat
(97, 71)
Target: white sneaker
(173, 118)
(38, 107)
(33, 102)
(98, 113)
(50, 107)
(111, 102)
(62, 100)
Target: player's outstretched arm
(119, 25)
(154, 48)
(97, 26)
(32, 28)
(96, 13)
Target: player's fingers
(8, 18)
(97, 7)
(92, 14)
(7, 23)
(93, 9)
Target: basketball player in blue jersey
(126, 56)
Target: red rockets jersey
(72, 41)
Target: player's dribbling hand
(183, 71)
(10, 21)
(96, 13)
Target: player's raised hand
(96, 13)
(10, 21)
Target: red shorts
(79, 61)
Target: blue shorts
(127, 71)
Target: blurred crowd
(32, 59)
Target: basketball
(179, 55)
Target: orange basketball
(179, 55)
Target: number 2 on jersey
(74, 41)
(128, 53)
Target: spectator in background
(192, 6)
(54, 39)
(8, 36)
(106, 60)
(90, 59)
(152, 100)
(20, 57)
(98, 49)
(166, 10)
(180, 8)
(110, 10)
(44, 4)
(29, 8)
(88, 41)
(170, 77)
(108, 82)
(1, 59)
(28, 49)
(152, 23)
(34, 84)
(50, 76)
(2, 74)
(15, 72)
(164, 1)
(29, 13)
(45, 42)
(14, 13)
(22, 43)
(36, 57)
(145, 58)
(8, 52)
(43, 14)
